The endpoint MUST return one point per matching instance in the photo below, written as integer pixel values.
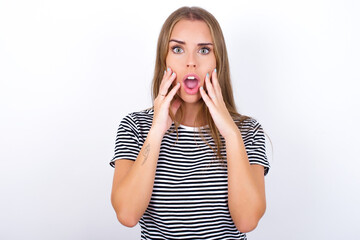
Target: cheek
(209, 65)
(172, 62)
(213, 62)
(167, 61)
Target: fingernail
(215, 69)
(202, 88)
(173, 74)
(207, 75)
(168, 69)
(164, 72)
(178, 83)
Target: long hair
(222, 67)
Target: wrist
(156, 132)
(234, 135)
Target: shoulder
(252, 124)
(250, 128)
(248, 124)
(143, 113)
(146, 114)
(138, 120)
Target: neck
(190, 111)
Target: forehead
(191, 31)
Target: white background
(71, 70)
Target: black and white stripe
(189, 199)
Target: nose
(191, 62)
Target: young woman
(190, 167)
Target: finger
(206, 98)
(210, 87)
(169, 82)
(172, 93)
(215, 82)
(164, 87)
(167, 74)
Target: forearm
(246, 198)
(132, 195)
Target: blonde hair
(222, 67)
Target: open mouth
(191, 82)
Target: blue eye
(204, 51)
(177, 50)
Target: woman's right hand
(162, 120)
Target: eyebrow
(182, 42)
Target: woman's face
(191, 56)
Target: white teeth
(191, 77)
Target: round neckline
(193, 128)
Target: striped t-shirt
(190, 194)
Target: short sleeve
(256, 150)
(127, 140)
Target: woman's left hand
(217, 107)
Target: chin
(187, 98)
